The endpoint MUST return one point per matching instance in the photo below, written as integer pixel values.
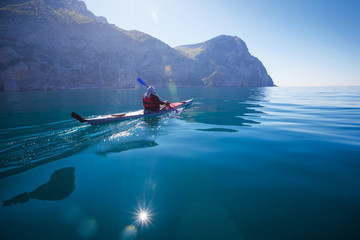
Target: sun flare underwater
(143, 216)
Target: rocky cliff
(226, 61)
(59, 44)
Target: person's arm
(156, 99)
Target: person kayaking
(151, 101)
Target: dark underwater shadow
(217, 130)
(121, 147)
(60, 186)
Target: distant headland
(60, 44)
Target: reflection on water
(60, 186)
(152, 121)
(228, 107)
(138, 135)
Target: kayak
(131, 115)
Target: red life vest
(149, 104)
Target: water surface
(240, 163)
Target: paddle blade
(142, 82)
(77, 117)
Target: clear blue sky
(300, 42)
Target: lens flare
(154, 12)
(143, 216)
(168, 70)
(129, 232)
(173, 90)
(155, 16)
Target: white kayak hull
(131, 115)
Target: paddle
(143, 83)
(78, 117)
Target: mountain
(60, 44)
(226, 61)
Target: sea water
(240, 163)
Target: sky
(300, 42)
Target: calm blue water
(240, 163)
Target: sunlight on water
(39, 143)
(44, 143)
(124, 129)
(72, 130)
(120, 134)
